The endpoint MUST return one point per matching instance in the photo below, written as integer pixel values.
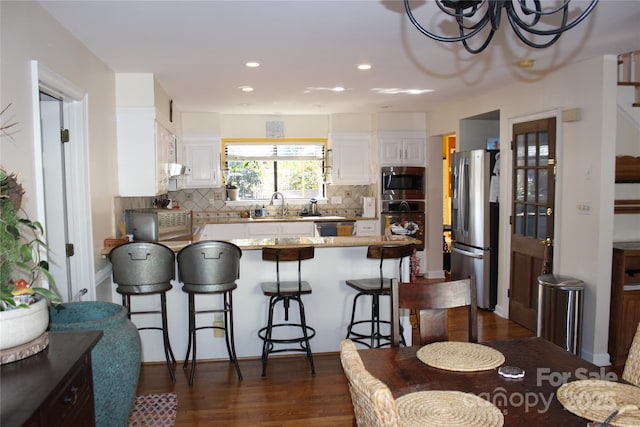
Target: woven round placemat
(447, 408)
(595, 400)
(460, 356)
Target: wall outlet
(336, 200)
(584, 207)
(218, 323)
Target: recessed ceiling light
(338, 89)
(252, 64)
(526, 63)
(395, 91)
(364, 67)
(246, 88)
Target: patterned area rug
(156, 410)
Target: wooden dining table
(529, 401)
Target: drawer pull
(72, 400)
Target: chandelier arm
(435, 36)
(559, 30)
(518, 31)
(495, 12)
(459, 12)
(539, 11)
(481, 48)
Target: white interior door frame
(75, 111)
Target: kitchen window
(259, 167)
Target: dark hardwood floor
(289, 395)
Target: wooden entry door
(532, 213)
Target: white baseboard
(435, 274)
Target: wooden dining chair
(631, 371)
(431, 301)
(373, 403)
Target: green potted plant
(23, 301)
(232, 191)
(21, 267)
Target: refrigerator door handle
(466, 253)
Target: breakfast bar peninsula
(328, 307)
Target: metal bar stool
(210, 267)
(146, 268)
(285, 292)
(375, 288)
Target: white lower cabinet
(224, 232)
(258, 230)
(280, 229)
(368, 227)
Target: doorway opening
(66, 219)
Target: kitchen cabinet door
(202, 155)
(224, 232)
(351, 159)
(400, 149)
(143, 153)
(259, 230)
(369, 227)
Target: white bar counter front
(328, 307)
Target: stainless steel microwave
(403, 183)
(158, 224)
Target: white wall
(29, 33)
(585, 172)
(254, 126)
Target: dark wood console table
(53, 387)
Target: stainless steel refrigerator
(474, 221)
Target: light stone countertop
(322, 242)
(317, 242)
(286, 218)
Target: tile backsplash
(199, 201)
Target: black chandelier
(527, 18)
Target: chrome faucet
(282, 197)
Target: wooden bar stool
(142, 269)
(210, 267)
(375, 288)
(285, 292)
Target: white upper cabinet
(351, 158)
(143, 152)
(202, 156)
(402, 149)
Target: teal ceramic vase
(115, 360)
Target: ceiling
(197, 51)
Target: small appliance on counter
(312, 210)
(368, 207)
(152, 225)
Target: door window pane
(519, 219)
(531, 221)
(542, 185)
(532, 149)
(543, 160)
(519, 185)
(532, 185)
(520, 150)
(542, 223)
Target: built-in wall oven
(406, 218)
(403, 183)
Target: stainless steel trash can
(560, 310)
